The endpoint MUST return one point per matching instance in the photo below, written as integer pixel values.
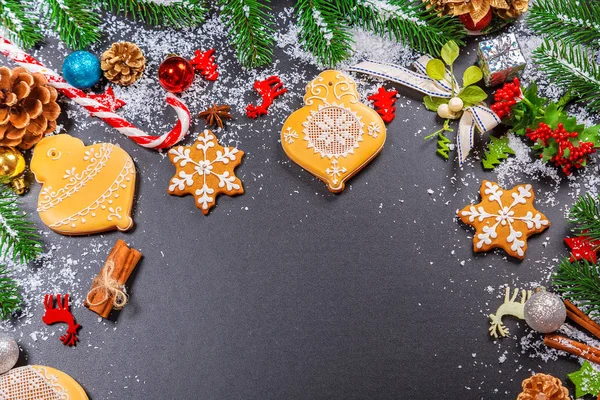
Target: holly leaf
(432, 103)
(449, 52)
(498, 149)
(591, 134)
(586, 380)
(551, 116)
(435, 69)
(472, 95)
(472, 75)
(550, 150)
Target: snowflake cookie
(205, 170)
(334, 135)
(504, 219)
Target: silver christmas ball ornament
(9, 352)
(545, 312)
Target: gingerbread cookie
(334, 135)
(40, 383)
(205, 170)
(504, 219)
(86, 189)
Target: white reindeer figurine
(509, 307)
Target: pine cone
(123, 63)
(28, 108)
(542, 386)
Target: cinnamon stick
(582, 350)
(124, 261)
(581, 319)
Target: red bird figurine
(61, 313)
(267, 93)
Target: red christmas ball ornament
(176, 74)
(471, 25)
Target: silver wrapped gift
(500, 59)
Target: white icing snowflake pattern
(333, 131)
(374, 129)
(335, 171)
(505, 216)
(290, 135)
(208, 164)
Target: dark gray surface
(305, 294)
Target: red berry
(471, 25)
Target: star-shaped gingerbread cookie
(205, 170)
(504, 219)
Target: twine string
(110, 287)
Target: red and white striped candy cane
(100, 110)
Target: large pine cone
(123, 63)
(542, 386)
(28, 108)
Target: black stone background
(306, 294)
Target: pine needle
(324, 31)
(10, 298)
(579, 281)
(177, 14)
(77, 24)
(251, 30)
(585, 214)
(573, 68)
(406, 21)
(18, 22)
(17, 234)
(572, 21)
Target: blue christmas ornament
(82, 69)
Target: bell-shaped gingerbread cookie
(334, 135)
(86, 189)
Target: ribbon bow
(477, 115)
(110, 287)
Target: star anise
(215, 115)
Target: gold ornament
(542, 386)
(12, 167)
(478, 9)
(123, 63)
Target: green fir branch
(573, 68)
(406, 21)
(585, 215)
(18, 22)
(573, 21)
(251, 30)
(76, 22)
(17, 234)
(10, 296)
(324, 31)
(579, 281)
(177, 14)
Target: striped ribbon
(477, 116)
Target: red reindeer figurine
(268, 93)
(61, 314)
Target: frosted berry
(456, 104)
(444, 111)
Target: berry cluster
(577, 155)
(506, 97)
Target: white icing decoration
(204, 168)
(505, 216)
(50, 199)
(127, 170)
(333, 130)
(374, 129)
(290, 135)
(335, 171)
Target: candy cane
(100, 110)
